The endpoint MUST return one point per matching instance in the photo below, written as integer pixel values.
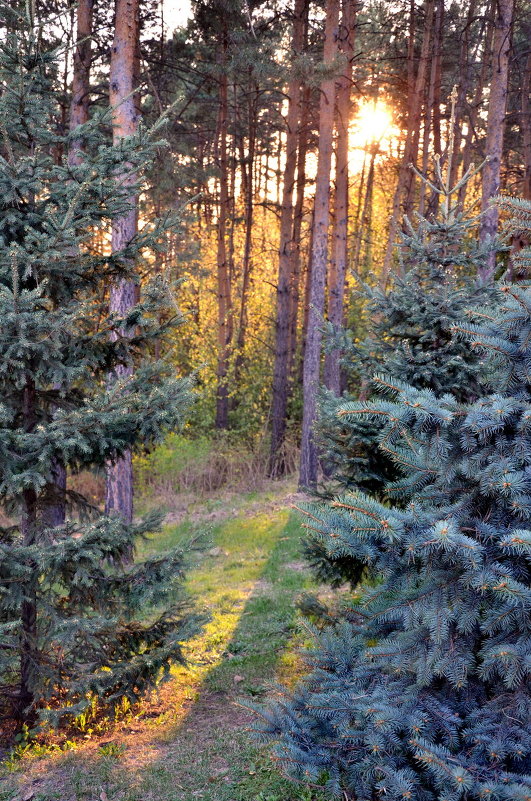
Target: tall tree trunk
(28, 611)
(436, 114)
(54, 514)
(476, 105)
(418, 100)
(403, 196)
(338, 262)
(526, 128)
(358, 218)
(312, 353)
(432, 111)
(247, 163)
(81, 76)
(225, 321)
(495, 128)
(463, 85)
(119, 484)
(365, 252)
(307, 288)
(284, 280)
(296, 250)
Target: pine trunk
(81, 76)
(403, 196)
(357, 223)
(247, 164)
(312, 353)
(365, 253)
(338, 263)
(119, 484)
(495, 128)
(432, 115)
(526, 128)
(54, 515)
(462, 88)
(225, 322)
(296, 251)
(476, 107)
(28, 613)
(285, 262)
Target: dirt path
(191, 740)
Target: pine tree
(410, 338)
(74, 623)
(423, 691)
(410, 334)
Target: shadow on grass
(193, 741)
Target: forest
(265, 400)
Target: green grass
(192, 741)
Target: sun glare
(372, 126)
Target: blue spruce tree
(75, 624)
(410, 330)
(423, 690)
(410, 338)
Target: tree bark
(54, 514)
(247, 163)
(296, 251)
(338, 263)
(495, 128)
(28, 612)
(81, 76)
(462, 88)
(312, 353)
(358, 218)
(225, 316)
(432, 111)
(285, 263)
(403, 196)
(526, 128)
(119, 484)
(475, 106)
(365, 252)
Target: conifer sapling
(74, 623)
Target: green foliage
(170, 460)
(411, 338)
(71, 625)
(423, 691)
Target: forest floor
(190, 740)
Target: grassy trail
(190, 740)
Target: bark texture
(81, 76)
(248, 190)
(526, 127)
(28, 612)
(55, 513)
(285, 257)
(312, 353)
(495, 127)
(225, 311)
(403, 196)
(338, 262)
(119, 484)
